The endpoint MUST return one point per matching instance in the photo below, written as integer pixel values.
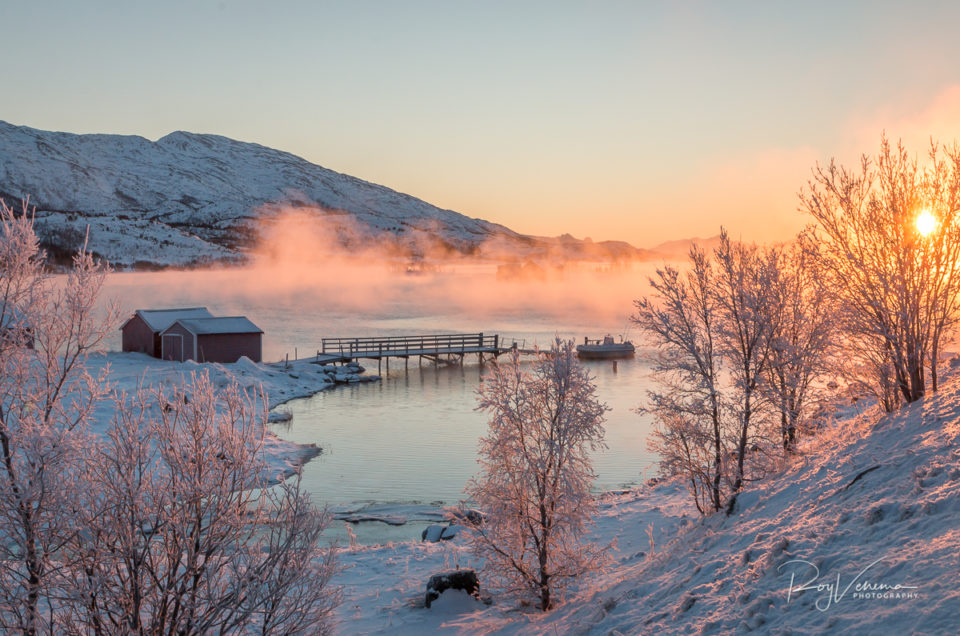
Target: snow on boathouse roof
(226, 324)
(160, 319)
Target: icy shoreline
(282, 382)
(383, 584)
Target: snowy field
(871, 504)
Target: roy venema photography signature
(805, 577)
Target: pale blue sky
(642, 121)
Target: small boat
(605, 349)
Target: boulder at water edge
(436, 532)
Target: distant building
(142, 331)
(211, 339)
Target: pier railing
(399, 346)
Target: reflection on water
(412, 437)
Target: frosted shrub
(536, 475)
(46, 401)
(186, 536)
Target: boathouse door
(172, 347)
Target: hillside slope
(193, 199)
(875, 500)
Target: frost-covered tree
(681, 319)
(47, 329)
(184, 534)
(739, 341)
(751, 312)
(536, 474)
(898, 280)
(803, 339)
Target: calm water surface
(411, 438)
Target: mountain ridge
(193, 199)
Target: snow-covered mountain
(192, 199)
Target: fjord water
(410, 439)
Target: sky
(637, 121)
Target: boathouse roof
(160, 319)
(226, 324)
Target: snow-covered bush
(183, 534)
(165, 526)
(46, 400)
(536, 475)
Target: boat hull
(605, 352)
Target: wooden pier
(438, 349)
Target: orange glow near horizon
(926, 223)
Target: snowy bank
(869, 511)
(281, 381)
(384, 585)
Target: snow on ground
(281, 381)
(384, 585)
(872, 505)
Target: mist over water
(412, 437)
(335, 278)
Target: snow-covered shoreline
(875, 493)
(282, 382)
(872, 501)
(384, 584)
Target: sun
(926, 223)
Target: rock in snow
(359, 517)
(465, 580)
